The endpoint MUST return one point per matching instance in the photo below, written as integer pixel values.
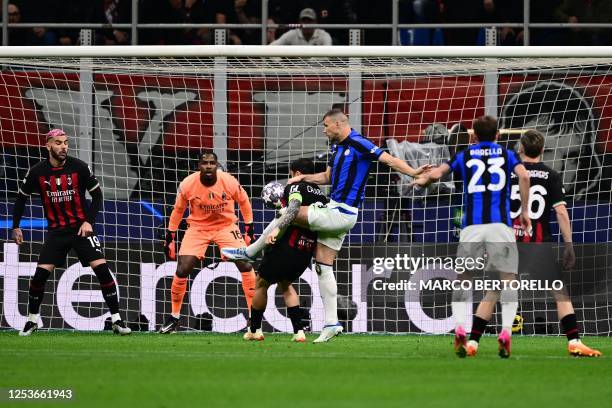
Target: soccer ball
(272, 194)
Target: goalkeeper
(289, 255)
(211, 195)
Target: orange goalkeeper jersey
(211, 207)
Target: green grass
(213, 370)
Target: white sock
(458, 309)
(259, 244)
(509, 306)
(115, 317)
(329, 292)
(33, 317)
(176, 316)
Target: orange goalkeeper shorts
(196, 241)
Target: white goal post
(139, 116)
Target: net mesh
(141, 122)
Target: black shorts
(539, 261)
(59, 242)
(283, 264)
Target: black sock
(36, 292)
(295, 314)
(256, 317)
(108, 287)
(478, 327)
(569, 325)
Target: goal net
(140, 116)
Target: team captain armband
(295, 196)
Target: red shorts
(196, 241)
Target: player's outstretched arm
(18, 209)
(401, 166)
(317, 178)
(524, 184)
(430, 176)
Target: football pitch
(211, 370)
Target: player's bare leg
(292, 301)
(329, 292)
(36, 293)
(185, 265)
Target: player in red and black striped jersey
(61, 181)
(289, 253)
(545, 194)
(535, 255)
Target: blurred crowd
(286, 12)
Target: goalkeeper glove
(170, 245)
(249, 234)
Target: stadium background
(150, 128)
(37, 101)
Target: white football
(272, 194)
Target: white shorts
(332, 222)
(497, 240)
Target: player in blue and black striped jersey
(485, 169)
(536, 254)
(348, 169)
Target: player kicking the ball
(535, 255)
(61, 182)
(289, 254)
(347, 172)
(485, 168)
(211, 195)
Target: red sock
(179, 287)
